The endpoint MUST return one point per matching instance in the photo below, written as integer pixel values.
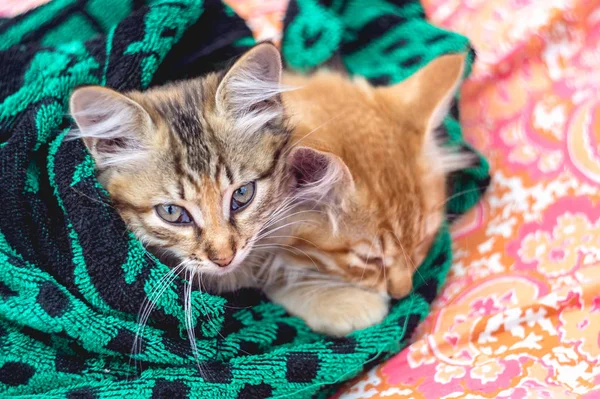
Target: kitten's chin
(212, 269)
(221, 271)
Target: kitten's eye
(173, 214)
(242, 196)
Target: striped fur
(192, 144)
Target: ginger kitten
(309, 193)
(385, 193)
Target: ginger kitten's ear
(110, 124)
(250, 91)
(320, 176)
(427, 95)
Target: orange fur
(394, 207)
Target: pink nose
(223, 262)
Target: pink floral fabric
(11, 8)
(264, 17)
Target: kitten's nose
(223, 261)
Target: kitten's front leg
(333, 309)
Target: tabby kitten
(195, 168)
(210, 172)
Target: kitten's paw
(348, 312)
(335, 312)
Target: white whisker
(150, 302)
(285, 247)
(188, 309)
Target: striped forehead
(183, 109)
(201, 190)
(187, 110)
(204, 197)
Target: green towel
(72, 279)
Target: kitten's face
(194, 168)
(204, 208)
(392, 171)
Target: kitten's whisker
(385, 274)
(161, 284)
(201, 289)
(445, 201)
(291, 147)
(250, 257)
(267, 233)
(285, 247)
(297, 238)
(407, 258)
(369, 256)
(287, 201)
(92, 199)
(149, 304)
(207, 312)
(266, 270)
(187, 306)
(274, 220)
(147, 253)
(210, 320)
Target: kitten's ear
(428, 94)
(319, 176)
(111, 125)
(252, 84)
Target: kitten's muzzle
(224, 261)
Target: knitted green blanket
(72, 279)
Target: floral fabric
(264, 17)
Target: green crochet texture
(72, 279)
